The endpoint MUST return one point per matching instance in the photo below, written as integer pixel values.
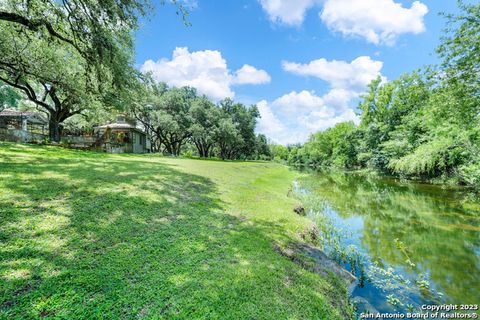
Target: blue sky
(303, 62)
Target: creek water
(409, 243)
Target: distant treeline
(178, 121)
(425, 124)
(75, 64)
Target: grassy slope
(87, 235)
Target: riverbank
(410, 244)
(442, 182)
(88, 235)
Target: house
(122, 137)
(22, 126)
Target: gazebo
(122, 137)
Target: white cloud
(268, 122)
(207, 71)
(319, 121)
(295, 103)
(204, 70)
(293, 117)
(353, 77)
(287, 11)
(378, 21)
(270, 125)
(250, 75)
(339, 98)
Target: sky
(304, 63)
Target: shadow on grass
(105, 237)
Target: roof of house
(117, 125)
(120, 125)
(34, 117)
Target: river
(409, 243)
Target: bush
(470, 174)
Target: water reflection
(439, 229)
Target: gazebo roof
(119, 125)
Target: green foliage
(177, 119)
(228, 138)
(8, 97)
(426, 159)
(54, 78)
(262, 151)
(65, 56)
(171, 118)
(424, 124)
(140, 236)
(279, 152)
(98, 32)
(460, 47)
(242, 140)
(206, 117)
(333, 147)
(470, 173)
(427, 234)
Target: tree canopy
(64, 55)
(176, 119)
(8, 97)
(425, 124)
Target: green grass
(88, 235)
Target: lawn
(88, 235)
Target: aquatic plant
(399, 291)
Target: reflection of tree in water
(439, 227)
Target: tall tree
(61, 54)
(49, 76)
(262, 151)
(171, 118)
(460, 47)
(385, 109)
(205, 117)
(450, 143)
(143, 103)
(244, 118)
(94, 29)
(228, 138)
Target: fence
(90, 142)
(79, 142)
(16, 135)
(22, 136)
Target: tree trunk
(205, 148)
(168, 147)
(222, 152)
(178, 148)
(206, 151)
(58, 114)
(54, 129)
(199, 147)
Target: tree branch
(27, 89)
(35, 25)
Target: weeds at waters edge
(398, 289)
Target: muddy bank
(315, 260)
